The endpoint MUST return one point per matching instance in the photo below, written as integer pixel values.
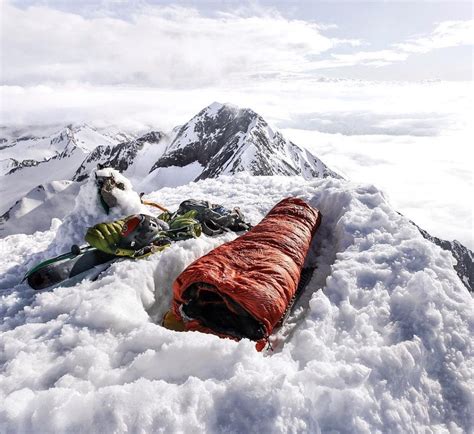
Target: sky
(193, 44)
(381, 91)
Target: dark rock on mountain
(119, 157)
(464, 257)
(21, 164)
(96, 157)
(226, 140)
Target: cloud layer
(158, 46)
(445, 35)
(428, 179)
(181, 47)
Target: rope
(156, 205)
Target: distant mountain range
(26, 147)
(220, 140)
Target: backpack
(214, 219)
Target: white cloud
(346, 106)
(428, 179)
(180, 47)
(373, 58)
(446, 34)
(164, 46)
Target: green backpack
(214, 219)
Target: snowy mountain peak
(214, 107)
(123, 155)
(215, 115)
(30, 146)
(225, 139)
(87, 138)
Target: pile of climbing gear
(214, 219)
(136, 236)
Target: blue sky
(238, 41)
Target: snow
(22, 144)
(88, 138)
(213, 109)
(19, 183)
(88, 210)
(183, 137)
(35, 211)
(186, 136)
(143, 162)
(171, 176)
(6, 165)
(245, 149)
(381, 340)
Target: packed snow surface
(172, 176)
(35, 211)
(23, 144)
(13, 187)
(381, 340)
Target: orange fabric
(261, 269)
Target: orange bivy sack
(243, 288)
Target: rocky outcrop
(119, 157)
(464, 257)
(226, 140)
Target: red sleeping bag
(242, 288)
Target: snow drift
(381, 341)
(35, 210)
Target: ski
(80, 262)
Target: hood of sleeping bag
(242, 288)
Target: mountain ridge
(222, 139)
(225, 139)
